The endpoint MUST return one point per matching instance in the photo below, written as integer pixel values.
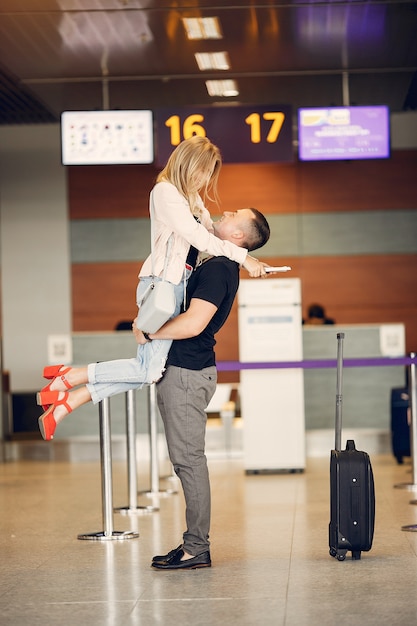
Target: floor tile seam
(209, 599)
(290, 559)
(80, 602)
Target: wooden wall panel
(269, 187)
(359, 185)
(103, 294)
(360, 281)
(109, 191)
(368, 289)
(123, 190)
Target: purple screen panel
(343, 133)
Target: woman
(189, 179)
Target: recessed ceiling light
(212, 60)
(224, 88)
(202, 27)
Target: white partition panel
(272, 400)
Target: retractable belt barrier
(232, 366)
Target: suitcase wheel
(339, 554)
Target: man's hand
(186, 325)
(255, 267)
(140, 339)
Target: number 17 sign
(244, 134)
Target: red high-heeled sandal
(52, 371)
(48, 374)
(47, 422)
(46, 397)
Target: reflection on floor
(271, 565)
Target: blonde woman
(188, 180)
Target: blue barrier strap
(233, 366)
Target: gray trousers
(183, 395)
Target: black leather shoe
(165, 557)
(174, 562)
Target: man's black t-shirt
(215, 281)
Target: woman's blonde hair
(194, 168)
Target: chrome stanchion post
(153, 439)
(108, 533)
(413, 431)
(227, 415)
(413, 425)
(172, 475)
(132, 478)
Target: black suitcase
(400, 427)
(352, 494)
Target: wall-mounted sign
(348, 133)
(244, 134)
(106, 137)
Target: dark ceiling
(58, 55)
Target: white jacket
(172, 214)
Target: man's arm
(186, 325)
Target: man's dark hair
(259, 232)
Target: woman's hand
(140, 339)
(255, 267)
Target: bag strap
(169, 243)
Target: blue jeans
(109, 378)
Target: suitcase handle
(339, 398)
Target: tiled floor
(271, 564)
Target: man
(190, 379)
(317, 316)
